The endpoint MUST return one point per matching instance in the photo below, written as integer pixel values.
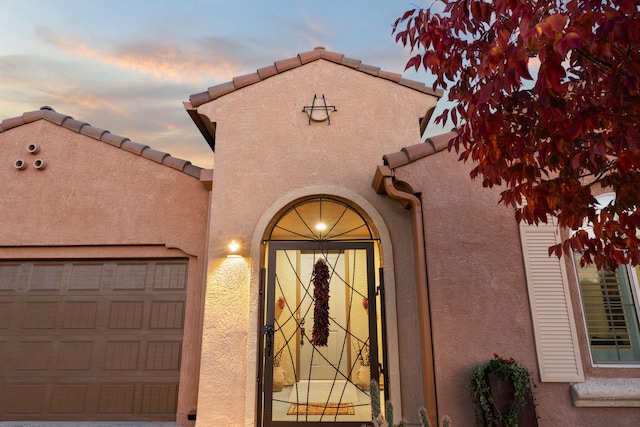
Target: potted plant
(502, 392)
(278, 371)
(363, 375)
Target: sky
(128, 65)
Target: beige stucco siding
(265, 151)
(94, 200)
(479, 298)
(93, 193)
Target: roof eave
(206, 127)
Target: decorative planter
(502, 391)
(363, 377)
(278, 378)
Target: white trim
(607, 392)
(551, 309)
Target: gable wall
(265, 150)
(93, 193)
(265, 146)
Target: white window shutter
(553, 323)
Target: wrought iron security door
(306, 378)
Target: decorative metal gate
(321, 332)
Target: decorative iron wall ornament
(319, 112)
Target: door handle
(268, 331)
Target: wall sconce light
(234, 249)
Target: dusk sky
(128, 65)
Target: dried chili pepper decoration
(320, 280)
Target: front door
(321, 343)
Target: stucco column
(221, 396)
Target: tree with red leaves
(552, 139)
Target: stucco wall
(479, 299)
(95, 200)
(265, 148)
(93, 193)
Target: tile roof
(208, 128)
(298, 61)
(415, 152)
(47, 113)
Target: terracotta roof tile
(246, 80)
(31, 116)
(369, 69)
(284, 65)
(416, 152)
(68, 122)
(440, 142)
(331, 56)
(394, 77)
(267, 72)
(413, 84)
(221, 90)
(74, 125)
(93, 132)
(155, 155)
(288, 64)
(306, 57)
(12, 122)
(133, 147)
(178, 164)
(200, 98)
(393, 160)
(350, 62)
(115, 140)
(49, 114)
(192, 170)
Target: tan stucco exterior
(267, 158)
(476, 278)
(105, 197)
(95, 201)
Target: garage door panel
(86, 277)
(121, 355)
(167, 315)
(39, 315)
(159, 398)
(80, 314)
(91, 339)
(6, 309)
(9, 276)
(69, 399)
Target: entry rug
(342, 408)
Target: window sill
(609, 392)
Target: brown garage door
(91, 339)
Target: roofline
(68, 122)
(301, 59)
(207, 128)
(412, 153)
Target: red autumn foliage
(552, 139)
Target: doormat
(343, 408)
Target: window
(610, 309)
(610, 302)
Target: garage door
(91, 339)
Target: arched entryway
(322, 333)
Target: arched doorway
(322, 329)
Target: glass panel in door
(321, 341)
